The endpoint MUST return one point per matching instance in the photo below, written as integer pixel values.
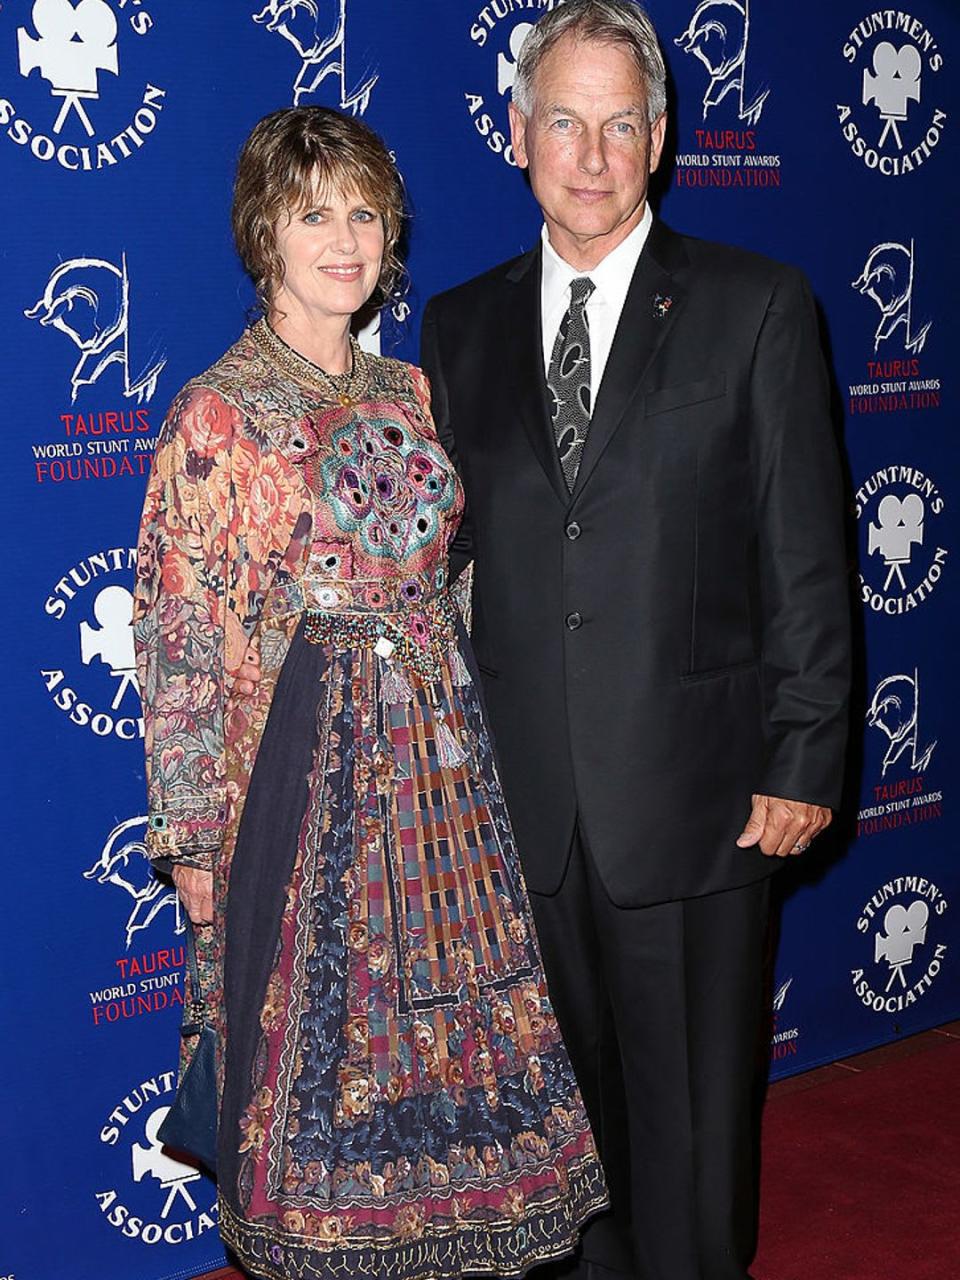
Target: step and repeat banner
(824, 134)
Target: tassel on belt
(420, 639)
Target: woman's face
(332, 252)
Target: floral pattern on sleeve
(180, 624)
(221, 510)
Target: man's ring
(801, 846)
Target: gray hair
(606, 21)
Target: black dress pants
(660, 1008)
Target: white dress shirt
(611, 277)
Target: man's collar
(664, 247)
(611, 275)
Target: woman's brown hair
(292, 157)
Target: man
(660, 618)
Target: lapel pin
(661, 305)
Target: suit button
(573, 531)
(574, 621)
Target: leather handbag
(191, 1123)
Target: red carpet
(861, 1168)
(861, 1173)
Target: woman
(396, 1099)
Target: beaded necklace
(345, 388)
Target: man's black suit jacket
(672, 636)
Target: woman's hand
(195, 888)
(242, 659)
(247, 675)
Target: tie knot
(581, 288)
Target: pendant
(346, 400)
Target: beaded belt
(408, 623)
(353, 595)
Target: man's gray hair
(606, 21)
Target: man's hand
(783, 827)
(195, 888)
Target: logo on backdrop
(152, 1198)
(149, 981)
(896, 379)
(123, 863)
(784, 1040)
(901, 558)
(718, 34)
(902, 796)
(323, 37)
(892, 121)
(895, 712)
(96, 685)
(726, 151)
(887, 278)
(901, 926)
(499, 30)
(88, 299)
(72, 97)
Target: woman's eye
(313, 218)
(364, 215)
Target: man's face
(589, 147)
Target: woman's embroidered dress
(396, 1098)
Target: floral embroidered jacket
(227, 516)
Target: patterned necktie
(568, 380)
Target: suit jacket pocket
(687, 393)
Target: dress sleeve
(181, 626)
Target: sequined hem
(444, 1251)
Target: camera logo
(892, 84)
(71, 48)
(95, 685)
(154, 1197)
(904, 929)
(892, 124)
(906, 958)
(498, 34)
(901, 559)
(71, 62)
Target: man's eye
(623, 128)
(563, 125)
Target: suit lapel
(649, 311)
(524, 356)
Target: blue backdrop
(822, 134)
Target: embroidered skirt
(398, 1101)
